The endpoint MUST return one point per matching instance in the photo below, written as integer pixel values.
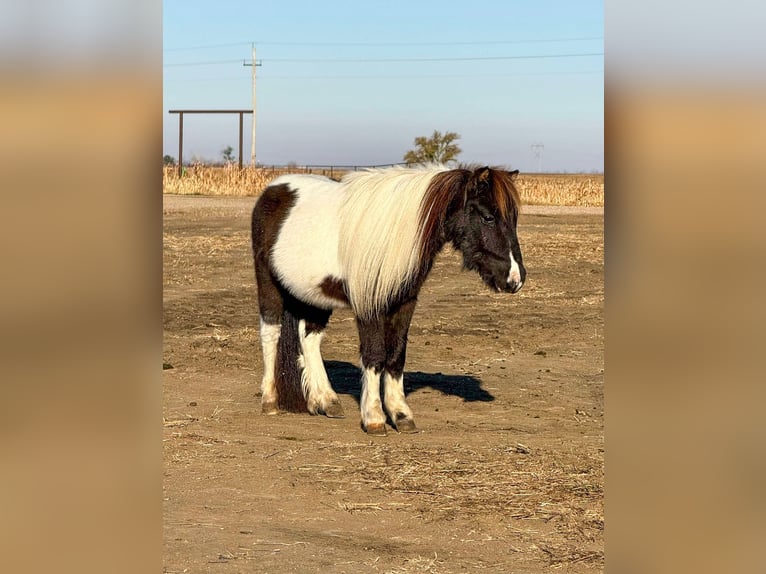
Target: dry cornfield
(535, 189)
(584, 190)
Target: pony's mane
(392, 222)
(381, 232)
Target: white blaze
(514, 275)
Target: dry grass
(528, 496)
(543, 189)
(559, 498)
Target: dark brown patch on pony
(269, 214)
(334, 289)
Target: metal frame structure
(181, 130)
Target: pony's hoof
(269, 408)
(377, 429)
(406, 426)
(334, 410)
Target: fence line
(325, 169)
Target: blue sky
(338, 84)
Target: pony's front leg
(373, 353)
(396, 327)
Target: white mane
(380, 233)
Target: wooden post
(241, 116)
(180, 143)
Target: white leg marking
(393, 389)
(269, 341)
(372, 411)
(316, 385)
(514, 275)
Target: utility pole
(254, 63)
(537, 149)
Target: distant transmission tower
(537, 149)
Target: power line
(393, 77)
(206, 46)
(385, 44)
(208, 63)
(467, 43)
(400, 60)
(392, 60)
(429, 76)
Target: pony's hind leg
(396, 327)
(269, 340)
(320, 397)
(373, 352)
(270, 305)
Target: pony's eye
(487, 219)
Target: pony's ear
(479, 184)
(513, 174)
(483, 178)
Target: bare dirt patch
(506, 474)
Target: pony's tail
(288, 380)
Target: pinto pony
(368, 242)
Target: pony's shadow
(345, 378)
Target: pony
(368, 242)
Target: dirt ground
(505, 475)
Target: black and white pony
(368, 242)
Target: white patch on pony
(269, 341)
(364, 230)
(372, 411)
(314, 381)
(380, 233)
(393, 390)
(306, 249)
(514, 275)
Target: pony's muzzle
(515, 279)
(514, 286)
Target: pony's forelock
(505, 194)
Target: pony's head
(482, 207)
